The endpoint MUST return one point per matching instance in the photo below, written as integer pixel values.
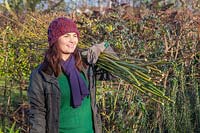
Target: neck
(65, 56)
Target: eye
(75, 35)
(66, 35)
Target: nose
(71, 38)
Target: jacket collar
(47, 76)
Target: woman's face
(67, 44)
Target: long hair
(52, 60)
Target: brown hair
(52, 60)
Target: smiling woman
(61, 93)
(67, 44)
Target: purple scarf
(78, 87)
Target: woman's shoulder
(36, 72)
(44, 73)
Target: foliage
(18, 7)
(171, 37)
(11, 129)
(20, 46)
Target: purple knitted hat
(59, 27)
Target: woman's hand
(94, 52)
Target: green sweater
(73, 120)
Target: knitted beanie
(59, 27)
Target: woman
(62, 89)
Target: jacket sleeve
(99, 73)
(37, 104)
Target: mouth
(70, 46)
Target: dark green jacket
(44, 98)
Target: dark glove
(94, 52)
